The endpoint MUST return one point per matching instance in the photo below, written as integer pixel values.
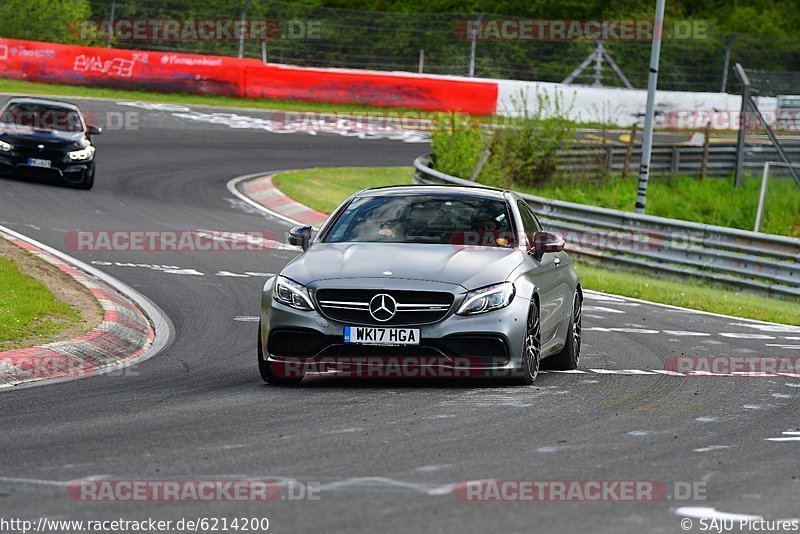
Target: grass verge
(325, 188)
(691, 293)
(28, 309)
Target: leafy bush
(527, 152)
(457, 143)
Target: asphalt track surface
(383, 453)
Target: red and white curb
(132, 330)
(259, 191)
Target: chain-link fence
(316, 36)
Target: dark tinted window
(435, 219)
(528, 221)
(41, 117)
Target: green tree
(43, 20)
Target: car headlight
(6, 147)
(292, 294)
(82, 154)
(487, 299)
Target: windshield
(415, 218)
(40, 117)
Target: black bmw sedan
(47, 138)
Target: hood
(469, 267)
(25, 135)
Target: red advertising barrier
(226, 76)
(371, 88)
(126, 69)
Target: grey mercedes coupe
(423, 281)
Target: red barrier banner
(371, 88)
(227, 76)
(125, 69)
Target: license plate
(35, 162)
(367, 335)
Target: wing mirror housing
(544, 242)
(299, 236)
(94, 130)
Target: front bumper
(12, 164)
(485, 342)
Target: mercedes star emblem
(382, 307)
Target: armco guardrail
(763, 262)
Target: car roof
(42, 101)
(449, 190)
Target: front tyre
(531, 347)
(570, 355)
(87, 182)
(267, 373)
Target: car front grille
(54, 154)
(352, 306)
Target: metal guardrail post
(762, 196)
(629, 151)
(473, 41)
(731, 40)
(675, 161)
(242, 27)
(745, 81)
(111, 23)
(652, 82)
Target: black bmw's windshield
(429, 218)
(42, 117)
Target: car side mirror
(299, 236)
(544, 242)
(94, 130)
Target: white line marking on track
(789, 435)
(745, 335)
(704, 512)
(685, 333)
(768, 327)
(230, 274)
(190, 272)
(712, 448)
(602, 309)
(246, 318)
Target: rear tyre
(531, 347)
(570, 355)
(267, 373)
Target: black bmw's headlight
(81, 155)
(6, 147)
(292, 294)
